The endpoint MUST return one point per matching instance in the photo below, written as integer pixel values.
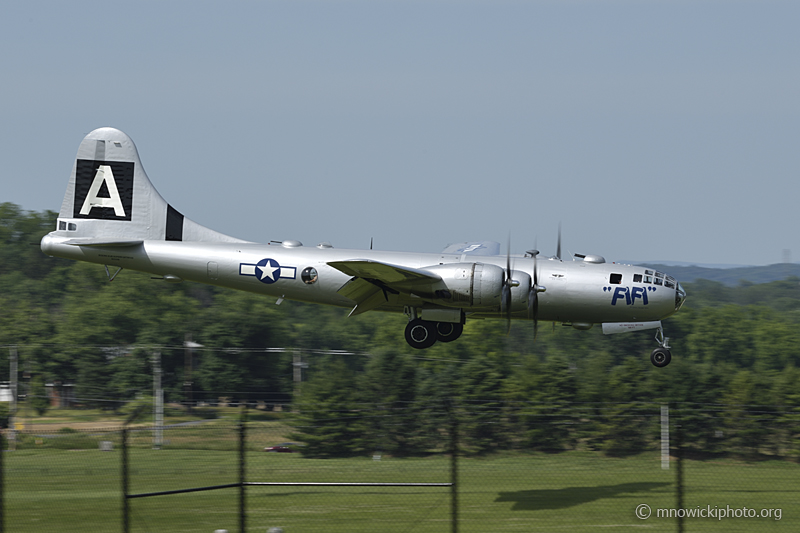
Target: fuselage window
(615, 279)
(637, 278)
(309, 276)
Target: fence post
(242, 439)
(679, 471)
(125, 524)
(2, 479)
(453, 466)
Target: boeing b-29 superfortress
(112, 215)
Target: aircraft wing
(373, 281)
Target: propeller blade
(505, 306)
(506, 302)
(558, 248)
(533, 307)
(533, 295)
(533, 300)
(508, 261)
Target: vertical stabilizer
(110, 197)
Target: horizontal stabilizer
(96, 242)
(610, 328)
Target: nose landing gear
(661, 356)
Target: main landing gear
(661, 356)
(422, 334)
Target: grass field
(57, 489)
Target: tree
(330, 420)
(37, 396)
(624, 419)
(389, 388)
(745, 420)
(543, 396)
(481, 396)
(786, 396)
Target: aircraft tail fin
(110, 198)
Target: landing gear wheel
(449, 331)
(421, 334)
(660, 357)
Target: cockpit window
(659, 281)
(615, 279)
(637, 278)
(648, 279)
(309, 276)
(648, 272)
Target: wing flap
(358, 289)
(375, 299)
(367, 295)
(373, 281)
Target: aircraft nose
(680, 296)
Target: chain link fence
(573, 467)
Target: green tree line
(734, 376)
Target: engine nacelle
(469, 285)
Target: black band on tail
(174, 224)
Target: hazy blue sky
(654, 130)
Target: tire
(421, 334)
(449, 331)
(660, 357)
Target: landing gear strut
(661, 356)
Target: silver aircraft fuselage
(577, 292)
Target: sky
(650, 130)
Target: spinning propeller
(533, 294)
(533, 290)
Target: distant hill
(730, 276)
